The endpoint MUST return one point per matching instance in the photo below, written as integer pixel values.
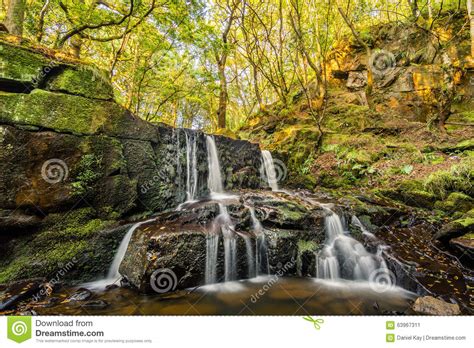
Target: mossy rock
(83, 81)
(77, 238)
(456, 202)
(464, 145)
(411, 193)
(72, 114)
(457, 228)
(21, 68)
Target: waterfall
(344, 257)
(113, 273)
(261, 250)
(212, 247)
(270, 171)
(214, 181)
(191, 167)
(223, 220)
(178, 160)
(251, 261)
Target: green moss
(60, 112)
(456, 202)
(63, 237)
(21, 65)
(89, 170)
(458, 179)
(306, 245)
(83, 81)
(464, 145)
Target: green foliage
(458, 179)
(89, 170)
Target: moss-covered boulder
(71, 114)
(411, 193)
(457, 228)
(456, 202)
(82, 81)
(76, 246)
(21, 69)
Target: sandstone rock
(356, 79)
(429, 305)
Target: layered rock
(177, 241)
(65, 144)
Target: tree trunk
(15, 16)
(222, 109)
(40, 26)
(470, 12)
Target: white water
(191, 167)
(251, 260)
(344, 257)
(113, 273)
(212, 247)
(270, 171)
(261, 250)
(222, 221)
(214, 180)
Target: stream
(270, 252)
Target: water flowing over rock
(345, 257)
(270, 171)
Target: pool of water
(267, 295)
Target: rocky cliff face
(65, 145)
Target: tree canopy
(210, 64)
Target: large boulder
(428, 305)
(177, 242)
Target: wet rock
(19, 291)
(429, 305)
(465, 245)
(16, 219)
(176, 242)
(455, 228)
(96, 304)
(81, 294)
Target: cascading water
(223, 221)
(178, 160)
(191, 167)
(344, 257)
(251, 261)
(270, 172)
(214, 181)
(113, 273)
(261, 251)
